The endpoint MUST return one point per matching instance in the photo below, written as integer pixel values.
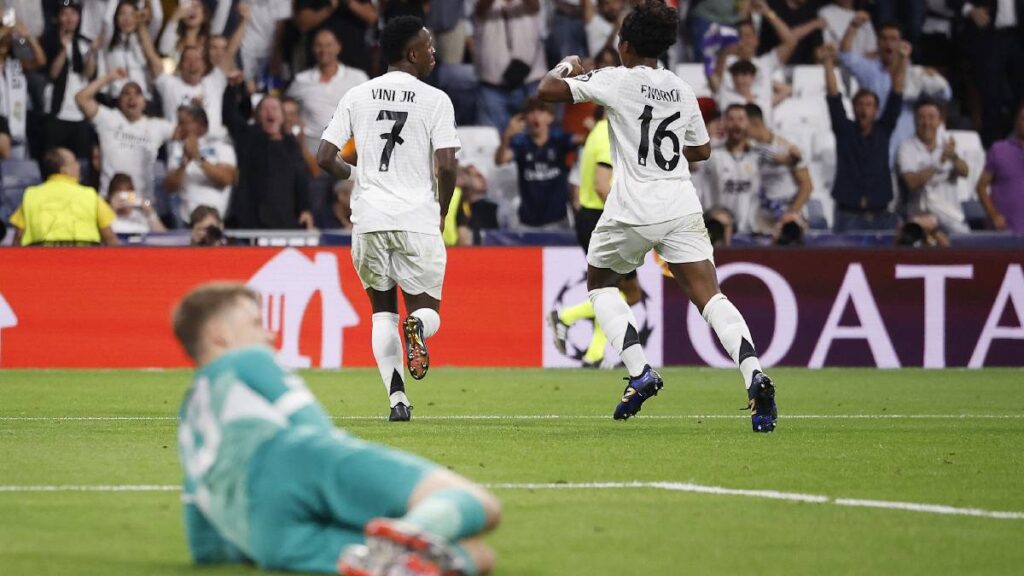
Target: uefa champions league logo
(578, 339)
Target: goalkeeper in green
(270, 480)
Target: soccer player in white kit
(405, 135)
(656, 128)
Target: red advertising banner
(111, 307)
(882, 308)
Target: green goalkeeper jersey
(235, 405)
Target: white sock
(733, 333)
(616, 318)
(387, 350)
(431, 321)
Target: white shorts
(412, 260)
(622, 247)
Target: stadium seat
(693, 74)
(479, 144)
(22, 173)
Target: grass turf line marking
(565, 417)
(940, 509)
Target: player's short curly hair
(396, 36)
(650, 28)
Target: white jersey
(397, 122)
(652, 115)
(734, 182)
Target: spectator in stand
(930, 168)
(200, 168)
(743, 74)
(129, 139)
(731, 174)
(765, 87)
(262, 45)
(566, 31)
(1004, 173)
(602, 25)
(131, 49)
(350, 20)
(877, 75)
(541, 154)
(447, 21)
(135, 215)
(20, 52)
(908, 13)
(474, 212)
(294, 125)
(801, 16)
(935, 47)
(508, 55)
(704, 14)
(99, 17)
(994, 40)
(837, 17)
(273, 182)
(195, 83)
(223, 51)
(72, 64)
(785, 181)
(60, 211)
(189, 25)
(319, 89)
(863, 182)
(207, 227)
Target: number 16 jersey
(652, 115)
(397, 122)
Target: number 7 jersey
(652, 115)
(397, 122)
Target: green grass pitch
(857, 434)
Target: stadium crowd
(840, 115)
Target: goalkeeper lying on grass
(270, 480)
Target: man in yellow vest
(60, 211)
(595, 185)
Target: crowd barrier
(110, 308)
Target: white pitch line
(940, 509)
(564, 417)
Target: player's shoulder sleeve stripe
(294, 400)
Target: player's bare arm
(447, 170)
(553, 87)
(697, 153)
(329, 160)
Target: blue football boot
(639, 389)
(761, 396)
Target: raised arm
(804, 187)
(859, 19)
(553, 87)
(38, 58)
(447, 166)
(307, 19)
(504, 154)
(86, 97)
(365, 11)
(787, 40)
(829, 61)
(153, 62)
(235, 42)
